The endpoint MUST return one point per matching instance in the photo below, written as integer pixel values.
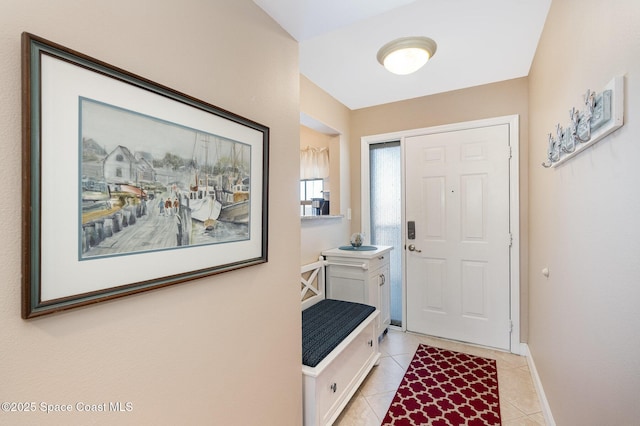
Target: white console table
(361, 276)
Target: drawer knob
(334, 387)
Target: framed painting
(129, 185)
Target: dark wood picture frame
(117, 195)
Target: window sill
(322, 217)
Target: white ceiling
(479, 42)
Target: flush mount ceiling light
(406, 55)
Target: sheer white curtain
(314, 163)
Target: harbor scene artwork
(147, 184)
(130, 185)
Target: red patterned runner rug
(443, 387)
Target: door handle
(413, 248)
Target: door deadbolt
(411, 230)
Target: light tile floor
(519, 404)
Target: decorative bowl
(357, 239)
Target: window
(309, 188)
(385, 212)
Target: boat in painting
(204, 206)
(235, 190)
(95, 191)
(95, 195)
(237, 209)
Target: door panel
(473, 213)
(457, 192)
(474, 284)
(434, 192)
(435, 273)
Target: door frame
(513, 121)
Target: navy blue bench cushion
(326, 324)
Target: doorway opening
(369, 147)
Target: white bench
(328, 387)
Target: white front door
(457, 264)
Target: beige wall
(487, 101)
(219, 350)
(330, 116)
(584, 318)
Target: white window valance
(314, 163)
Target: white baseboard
(546, 409)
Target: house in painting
(120, 166)
(93, 156)
(145, 170)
